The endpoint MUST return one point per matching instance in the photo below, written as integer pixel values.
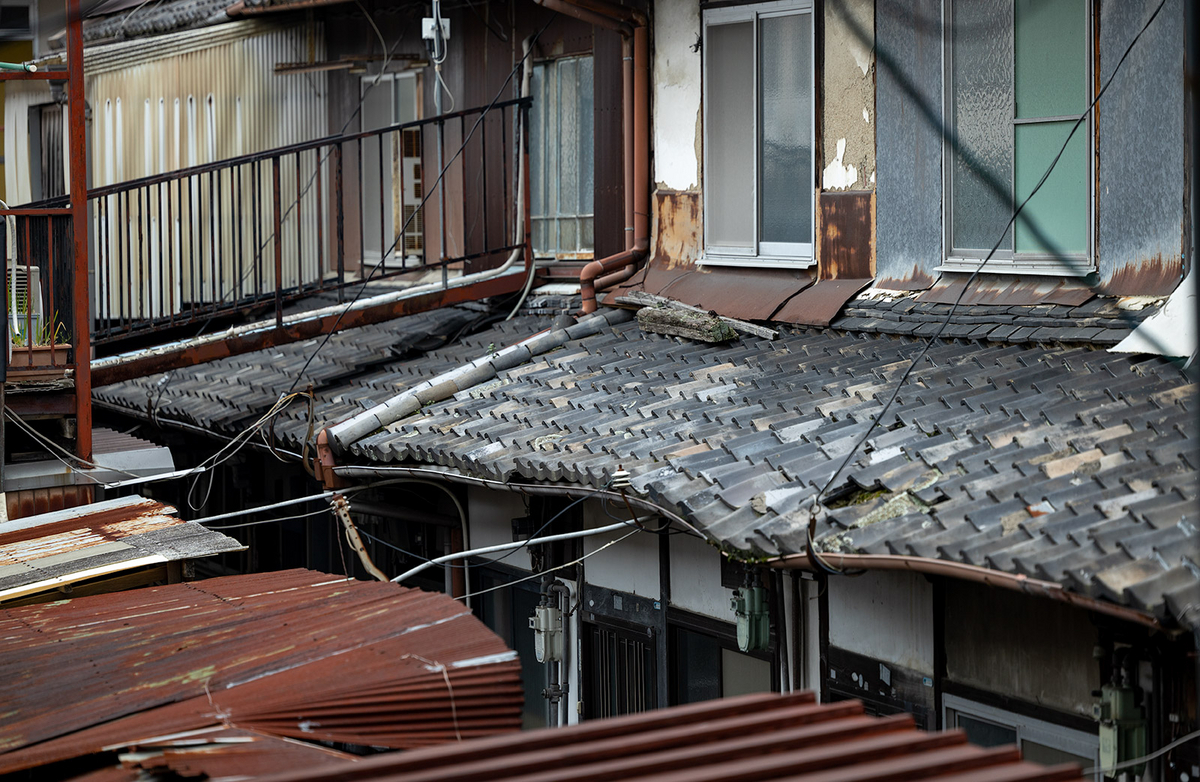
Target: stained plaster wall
(677, 128)
(696, 579)
(491, 514)
(629, 566)
(848, 105)
(884, 615)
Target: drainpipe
(635, 53)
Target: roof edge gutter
(965, 572)
(543, 489)
(635, 54)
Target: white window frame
(775, 255)
(1069, 740)
(1008, 261)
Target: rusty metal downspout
(635, 51)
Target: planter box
(38, 357)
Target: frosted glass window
(730, 181)
(1020, 78)
(982, 113)
(785, 203)
(758, 127)
(561, 169)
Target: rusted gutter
(635, 52)
(965, 572)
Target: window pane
(1059, 210)
(986, 734)
(1051, 51)
(406, 100)
(697, 667)
(785, 202)
(568, 101)
(729, 183)
(982, 120)
(1049, 756)
(537, 145)
(587, 180)
(742, 674)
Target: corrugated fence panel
(164, 249)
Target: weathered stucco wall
(908, 196)
(1023, 647)
(848, 118)
(1142, 137)
(885, 615)
(696, 579)
(676, 95)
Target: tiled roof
(1063, 463)
(1068, 464)
(157, 19)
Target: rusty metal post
(341, 223)
(77, 145)
(278, 237)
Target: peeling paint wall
(1142, 137)
(908, 207)
(848, 116)
(676, 95)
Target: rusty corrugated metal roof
(213, 754)
(54, 550)
(295, 654)
(753, 738)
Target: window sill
(756, 261)
(1045, 268)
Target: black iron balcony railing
(254, 232)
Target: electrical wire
(275, 520)
(54, 449)
(814, 555)
(612, 542)
(1107, 770)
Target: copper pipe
(965, 572)
(635, 49)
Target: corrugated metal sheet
(214, 754)
(908, 142)
(737, 294)
(753, 738)
(820, 304)
(1142, 174)
(188, 106)
(295, 654)
(54, 550)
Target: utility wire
(1107, 770)
(815, 556)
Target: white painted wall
(696, 579)
(676, 108)
(491, 514)
(885, 615)
(630, 566)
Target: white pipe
(261, 508)
(509, 546)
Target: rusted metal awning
(77, 548)
(752, 738)
(295, 654)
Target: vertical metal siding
(908, 143)
(214, 86)
(1141, 147)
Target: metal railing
(251, 233)
(39, 291)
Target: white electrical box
(427, 29)
(547, 634)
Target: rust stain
(847, 236)
(678, 229)
(31, 502)
(1007, 290)
(918, 280)
(1148, 277)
